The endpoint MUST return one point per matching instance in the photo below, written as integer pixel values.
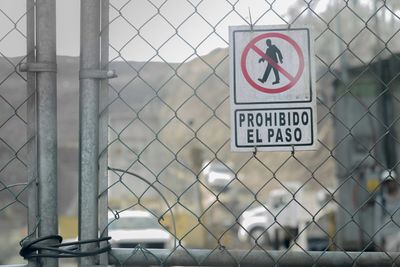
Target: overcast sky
(155, 33)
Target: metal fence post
(103, 128)
(31, 129)
(89, 125)
(47, 119)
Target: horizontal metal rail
(221, 257)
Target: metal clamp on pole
(38, 67)
(97, 74)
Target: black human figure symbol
(273, 53)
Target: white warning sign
(272, 89)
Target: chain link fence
(170, 189)
(172, 180)
(17, 130)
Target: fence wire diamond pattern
(169, 147)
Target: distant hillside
(159, 115)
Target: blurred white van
(137, 227)
(278, 220)
(218, 175)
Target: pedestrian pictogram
(271, 56)
(274, 61)
(272, 89)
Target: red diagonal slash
(292, 78)
(273, 63)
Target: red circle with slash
(292, 79)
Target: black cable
(40, 248)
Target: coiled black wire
(41, 248)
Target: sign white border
(271, 105)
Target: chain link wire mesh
(17, 129)
(169, 136)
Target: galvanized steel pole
(89, 125)
(31, 129)
(103, 129)
(47, 119)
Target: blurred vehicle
(319, 230)
(218, 175)
(134, 228)
(275, 223)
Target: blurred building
(365, 108)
